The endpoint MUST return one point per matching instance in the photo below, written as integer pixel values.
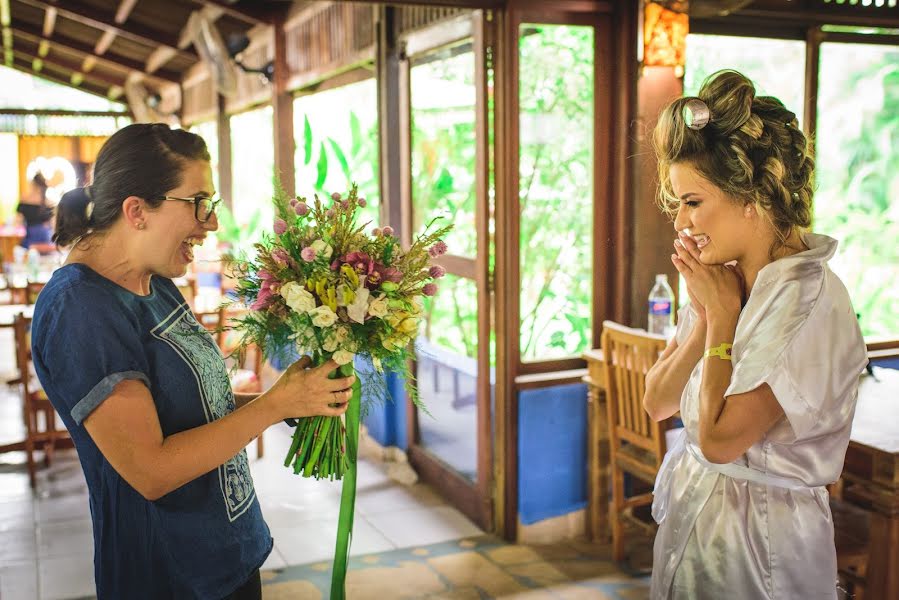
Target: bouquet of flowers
(324, 286)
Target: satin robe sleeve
(805, 345)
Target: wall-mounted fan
(705, 8)
(237, 43)
(152, 105)
(208, 42)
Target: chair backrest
(627, 356)
(22, 333)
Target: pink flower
(263, 299)
(345, 205)
(438, 249)
(388, 230)
(330, 213)
(265, 275)
(335, 197)
(293, 201)
(430, 289)
(308, 254)
(360, 261)
(301, 208)
(280, 226)
(335, 265)
(376, 231)
(436, 271)
(361, 202)
(280, 256)
(392, 274)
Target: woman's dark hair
(40, 183)
(144, 160)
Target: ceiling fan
(704, 8)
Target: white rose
(343, 333)
(297, 297)
(322, 248)
(342, 357)
(331, 342)
(359, 307)
(378, 307)
(323, 316)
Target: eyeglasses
(204, 206)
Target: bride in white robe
(764, 365)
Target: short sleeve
(84, 344)
(807, 352)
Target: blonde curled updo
(751, 148)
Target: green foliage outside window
(556, 189)
(336, 135)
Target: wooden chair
(637, 444)
(41, 429)
(245, 364)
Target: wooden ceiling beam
(247, 14)
(49, 21)
(88, 88)
(34, 33)
(124, 10)
(90, 16)
(67, 65)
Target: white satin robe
(761, 527)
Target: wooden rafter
(68, 65)
(248, 15)
(87, 87)
(35, 33)
(90, 16)
(124, 10)
(49, 21)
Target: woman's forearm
(716, 376)
(666, 380)
(189, 454)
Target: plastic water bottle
(34, 263)
(661, 307)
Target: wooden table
(872, 463)
(8, 313)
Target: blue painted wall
(386, 421)
(552, 452)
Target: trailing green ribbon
(348, 494)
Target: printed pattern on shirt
(198, 350)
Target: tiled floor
(46, 546)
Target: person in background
(36, 213)
(142, 387)
(765, 363)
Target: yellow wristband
(722, 351)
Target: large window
(857, 200)
(253, 166)
(556, 189)
(337, 143)
(776, 66)
(208, 130)
(443, 110)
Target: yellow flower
(351, 276)
(378, 307)
(409, 325)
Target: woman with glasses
(142, 387)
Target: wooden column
(653, 232)
(223, 132)
(282, 104)
(393, 124)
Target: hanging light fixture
(665, 35)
